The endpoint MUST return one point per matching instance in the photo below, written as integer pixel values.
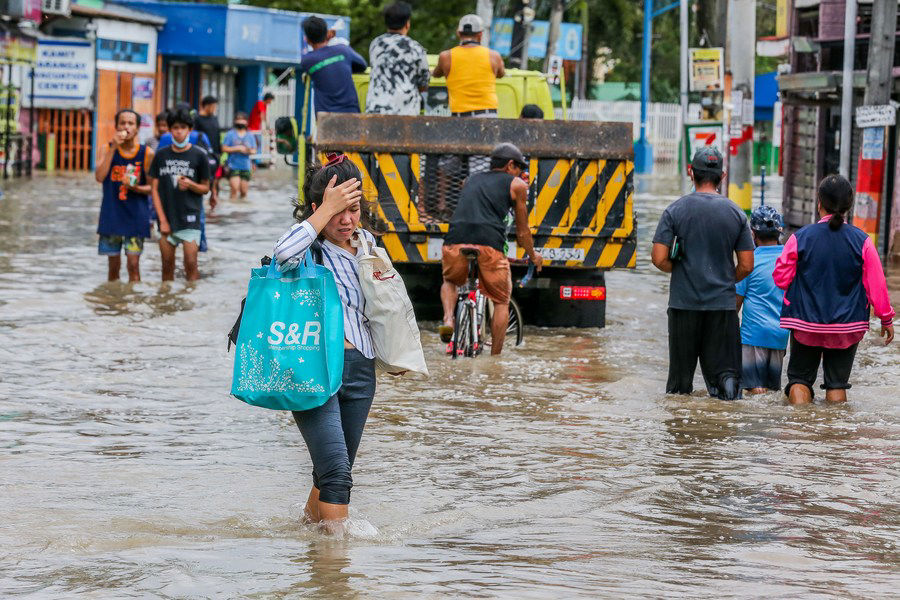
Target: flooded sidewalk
(559, 470)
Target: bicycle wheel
(515, 331)
(461, 331)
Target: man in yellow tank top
(471, 71)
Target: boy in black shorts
(179, 179)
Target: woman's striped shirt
(289, 251)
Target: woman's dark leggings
(332, 431)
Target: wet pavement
(559, 470)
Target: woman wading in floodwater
(331, 216)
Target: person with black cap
(697, 239)
(479, 222)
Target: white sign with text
(876, 116)
(64, 74)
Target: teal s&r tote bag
(290, 347)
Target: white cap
(471, 24)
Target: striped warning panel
(586, 205)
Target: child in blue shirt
(240, 144)
(763, 340)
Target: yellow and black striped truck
(580, 201)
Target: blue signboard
(568, 46)
(262, 34)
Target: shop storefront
(117, 47)
(17, 59)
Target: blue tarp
(765, 96)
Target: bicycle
(473, 313)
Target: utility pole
(742, 63)
(847, 87)
(518, 53)
(485, 10)
(871, 207)
(585, 66)
(712, 21)
(556, 15)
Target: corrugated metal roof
(119, 13)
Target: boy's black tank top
(480, 215)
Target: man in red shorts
(479, 222)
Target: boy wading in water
(125, 210)
(762, 338)
(180, 178)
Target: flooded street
(560, 470)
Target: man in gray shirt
(696, 241)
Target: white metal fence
(663, 128)
(282, 106)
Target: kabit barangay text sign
(64, 74)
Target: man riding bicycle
(479, 222)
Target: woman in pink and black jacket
(831, 274)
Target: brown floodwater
(559, 470)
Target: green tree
(617, 25)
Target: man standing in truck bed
(472, 71)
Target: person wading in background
(240, 145)
(696, 241)
(125, 209)
(399, 67)
(162, 128)
(179, 179)
(208, 123)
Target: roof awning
(118, 13)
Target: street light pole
(643, 151)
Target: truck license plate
(562, 254)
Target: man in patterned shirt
(399, 67)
